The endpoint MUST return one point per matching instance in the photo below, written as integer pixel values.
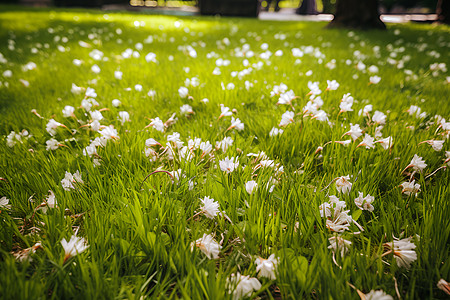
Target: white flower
(338, 243)
(410, 188)
(50, 202)
(229, 165)
(210, 207)
(243, 285)
(194, 82)
(99, 141)
(69, 179)
(52, 144)
(275, 131)
(355, 131)
(237, 124)
(68, 111)
(417, 163)
(186, 109)
(4, 203)
(320, 115)
(314, 88)
(344, 143)
(278, 90)
(76, 245)
(340, 222)
(364, 203)
(124, 117)
(116, 103)
(66, 182)
(206, 147)
(343, 185)
(7, 74)
(287, 118)
(367, 142)
(332, 85)
(444, 285)
(366, 110)
(266, 267)
(286, 98)
(379, 117)
(403, 251)
(338, 219)
(224, 111)
(378, 295)
(225, 143)
(76, 89)
(96, 69)
(375, 79)
(436, 144)
(25, 254)
(10, 139)
(151, 93)
(230, 86)
(175, 138)
(89, 151)
(95, 125)
(138, 87)
(208, 246)
(346, 103)
(183, 92)
(386, 143)
(86, 104)
(361, 66)
(151, 142)
(373, 69)
(250, 186)
(150, 57)
(157, 124)
(90, 92)
(51, 126)
(109, 132)
(96, 115)
(96, 54)
(416, 111)
(118, 75)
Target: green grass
(140, 232)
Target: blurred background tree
(322, 6)
(357, 14)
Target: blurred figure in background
(307, 7)
(269, 3)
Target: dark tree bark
(308, 7)
(443, 11)
(357, 14)
(241, 8)
(328, 7)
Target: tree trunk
(308, 7)
(328, 7)
(357, 14)
(443, 11)
(241, 8)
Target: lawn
(211, 158)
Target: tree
(443, 11)
(308, 7)
(358, 14)
(328, 7)
(242, 8)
